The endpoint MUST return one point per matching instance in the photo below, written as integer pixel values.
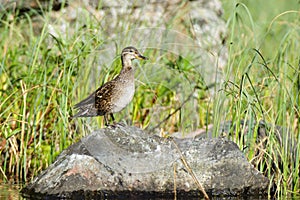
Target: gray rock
(27, 5)
(127, 162)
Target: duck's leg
(112, 117)
(106, 120)
(116, 123)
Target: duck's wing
(86, 107)
(96, 104)
(89, 100)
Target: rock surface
(127, 162)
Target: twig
(189, 169)
(175, 187)
(175, 111)
(181, 105)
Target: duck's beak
(140, 56)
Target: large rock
(126, 161)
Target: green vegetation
(42, 76)
(264, 59)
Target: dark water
(10, 192)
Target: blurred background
(216, 68)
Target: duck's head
(131, 53)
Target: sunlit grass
(263, 85)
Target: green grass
(263, 84)
(42, 76)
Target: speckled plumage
(114, 95)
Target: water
(10, 192)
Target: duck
(113, 96)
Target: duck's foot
(119, 124)
(115, 125)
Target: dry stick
(3, 174)
(181, 105)
(189, 169)
(23, 126)
(50, 99)
(175, 111)
(181, 155)
(175, 187)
